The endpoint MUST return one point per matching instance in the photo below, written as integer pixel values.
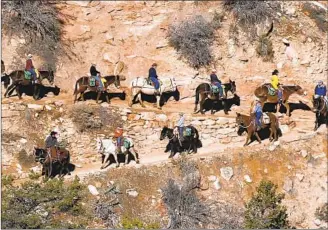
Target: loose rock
(226, 173)
(247, 178)
(132, 192)
(93, 190)
(288, 185)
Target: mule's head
(236, 99)
(233, 86)
(164, 133)
(100, 146)
(300, 91)
(39, 154)
(240, 123)
(316, 103)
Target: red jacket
(29, 64)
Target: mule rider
(51, 140)
(258, 114)
(215, 81)
(180, 125)
(96, 75)
(118, 134)
(30, 68)
(153, 77)
(320, 90)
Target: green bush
(35, 205)
(264, 210)
(193, 39)
(135, 223)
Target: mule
(141, 85)
(247, 123)
(48, 159)
(82, 85)
(107, 147)
(203, 92)
(18, 78)
(320, 108)
(262, 93)
(190, 143)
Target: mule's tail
(279, 132)
(75, 90)
(198, 142)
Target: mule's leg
(201, 104)
(140, 100)
(35, 88)
(9, 89)
(132, 96)
(271, 133)
(225, 107)
(98, 96)
(126, 155)
(82, 96)
(134, 154)
(107, 98)
(116, 159)
(258, 137)
(158, 100)
(195, 146)
(195, 109)
(18, 92)
(286, 104)
(105, 161)
(248, 138)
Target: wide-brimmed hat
(93, 64)
(53, 133)
(154, 64)
(275, 72)
(214, 70)
(181, 113)
(320, 82)
(29, 55)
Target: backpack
(27, 75)
(92, 82)
(187, 132)
(126, 143)
(215, 89)
(271, 91)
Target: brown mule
(262, 93)
(247, 123)
(320, 108)
(83, 85)
(48, 159)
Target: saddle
(57, 154)
(266, 119)
(149, 82)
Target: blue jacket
(320, 90)
(258, 109)
(152, 73)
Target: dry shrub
(193, 39)
(39, 23)
(264, 48)
(322, 213)
(88, 118)
(250, 13)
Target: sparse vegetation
(322, 213)
(193, 39)
(35, 205)
(135, 223)
(264, 48)
(87, 118)
(264, 210)
(250, 13)
(217, 20)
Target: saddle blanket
(266, 119)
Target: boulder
(132, 192)
(288, 185)
(93, 190)
(304, 153)
(317, 222)
(208, 122)
(196, 122)
(148, 116)
(247, 178)
(216, 184)
(35, 107)
(59, 103)
(226, 173)
(212, 178)
(299, 176)
(161, 117)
